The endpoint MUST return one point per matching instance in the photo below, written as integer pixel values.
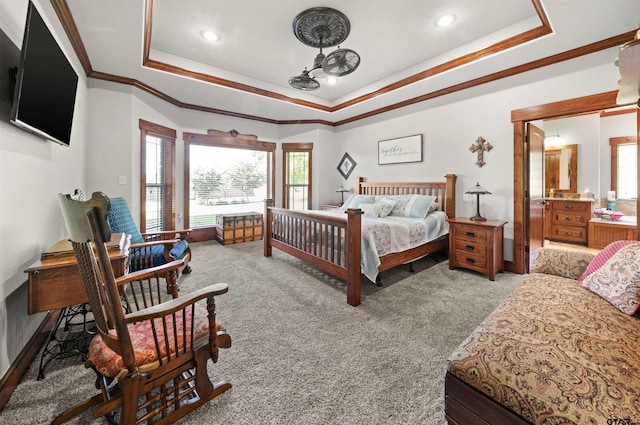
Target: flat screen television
(46, 83)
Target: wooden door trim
(580, 105)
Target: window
(296, 187)
(225, 173)
(624, 161)
(157, 157)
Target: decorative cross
(480, 146)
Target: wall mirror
(561, 168)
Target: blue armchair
(149, 249)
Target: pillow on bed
(618, 280)
(355, 200)
(384, 206)
(368, 210)
(416, 206)
(601, 258)
(434, 207)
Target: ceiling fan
(323, 27)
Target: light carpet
(301, 354)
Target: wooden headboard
(445, 192)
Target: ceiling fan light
(341, 62)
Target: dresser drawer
(470, 247)
(570, 233)
(563, 218)
(470, 233)
(575, 206)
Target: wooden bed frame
(333, 244)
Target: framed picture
(402, 149)
(346, 165)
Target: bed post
(450, 195)
(353, 254)
(266, 234)
(359, 188)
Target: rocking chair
(150, 354)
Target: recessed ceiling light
(332, 80)
(445, 20)
(210, 35)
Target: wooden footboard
(333, 244)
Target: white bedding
(391, 234)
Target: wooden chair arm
(150, 272)
(172, 306)
(163, 234)
(167, 243)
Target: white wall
(106, 138)
(32, 172)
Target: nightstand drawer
(470, 260)
(470, 233)
(470, 247)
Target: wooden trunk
(238, 228)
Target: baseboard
(19, 367)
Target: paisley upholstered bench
(563, 349)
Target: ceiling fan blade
(341, 62)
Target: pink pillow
(618, 280)
(602, 257)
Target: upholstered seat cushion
(109, 363)
(555, 353)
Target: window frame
(168, 135)
(288, 148)
(234, 140)
(614, 142)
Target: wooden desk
(54, 281)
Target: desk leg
(71, 341)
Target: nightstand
(330, 206)
(476, 245)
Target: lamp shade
(478, 190)
(342, 190)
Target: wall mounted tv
(46, 83)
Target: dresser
(567, 220)
(476, 245)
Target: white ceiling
(258, 51)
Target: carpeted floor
(301, 354)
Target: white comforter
(391, 234)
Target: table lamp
(478, 190)
(342, 190)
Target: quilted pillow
(368, 210)
(354, 201)
(416, 206)
(618, 280)
(383, 206)
(601, 258)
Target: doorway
(520, 118)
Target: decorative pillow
(618, 280)
(602, 257)
(383, 206)
(434, 207)
(354, 201)
(368, 210)
(416, 206)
